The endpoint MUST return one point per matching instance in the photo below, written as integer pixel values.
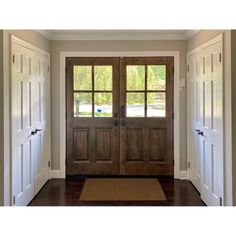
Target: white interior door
(193, 91)
(31, 145)
(211, 134)
(41, 118)
(22, 126)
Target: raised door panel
(134, 145)
(103, 145)
(157, 145)
(81, 145)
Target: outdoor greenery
(156, 75)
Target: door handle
(201, 133)
(197, 130)
(38, 130)
(33, 132)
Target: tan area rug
(122, 189)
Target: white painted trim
(218, 38)
(55, 174)
(29, 46)
(176, 56)
(190, 34)
(117, 34)
(183, 174)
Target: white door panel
(41, 110)
(22, 141)
(30, 115)
(205, 94)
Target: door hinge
(188, 68)
(220, 201)
(173, 69)
(14, 200)
(189, 164)
(49, 163)
(173, 116)
(173, 162)
(220, 57)
(13, 58)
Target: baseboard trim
(56, 174)
(183, 174)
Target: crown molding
(189, 34)
(117, 34)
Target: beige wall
(198, 39)
(38, 40)
(136, 45)
(1, 118)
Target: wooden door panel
(134, 142)
(104, 145)
(92, 135)
(81, 144)
(157, 145)
(147, 136)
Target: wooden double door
(119, 116)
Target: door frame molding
(61, 173)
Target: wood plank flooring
(61, 192)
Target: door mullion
(145, 93)
(93, 91)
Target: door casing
(63, 55)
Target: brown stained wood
(81, 138)
(157, 144)
(100, 147)
(158, 149)
(103, 144)
(61, 192)
(134, 141)
(135, 146)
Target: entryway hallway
(62, 192)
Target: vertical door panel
(212, 128)
(146, 98)
(22, 150)
(41, 112)
(92, 139)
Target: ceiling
(117, 34)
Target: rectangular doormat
(122, 189)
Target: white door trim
(63, 55)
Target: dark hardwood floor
(61, 192)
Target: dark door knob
(33, 132)
(201, 133)
(38, 130)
